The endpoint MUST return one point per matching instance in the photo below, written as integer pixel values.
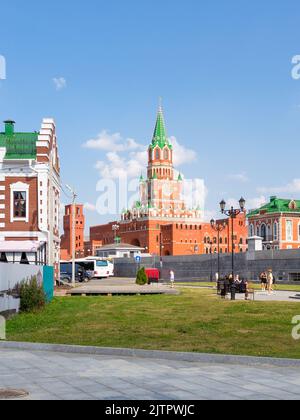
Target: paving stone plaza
(48, 375)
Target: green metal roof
(160, 136)
(278, 205)
(18, 145)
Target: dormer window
(293, 205)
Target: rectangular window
(289, 230)
(20, 204)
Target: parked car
(81, 276)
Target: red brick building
(277, 223)
(67, 238)
(29, 195)
(161, 222)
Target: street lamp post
(211, 261)
(232, 214)
(218, 227)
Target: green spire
(155, 175)
(160, 136)
(141, 178)
(180, 177)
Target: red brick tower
(66, 240)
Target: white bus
(102, 268)
(96, 267)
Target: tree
(141, 278)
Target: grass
(279, 287)
(195, 321)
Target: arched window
(263, 232)
(157, 154)
(251, 230)
(275, 231)
(166, 154)
(269, 233)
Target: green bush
(141, 278)
(32, 295)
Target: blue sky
(222, 68)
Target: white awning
(20, 246)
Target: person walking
(172, 279)
(264, 281)
(270, 278)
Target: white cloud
(182, 155)
(116, 166)
(59, 83)
(242, 177)
(127, 157)
(112, 143)
(291, 188)
(90, 207)
(256, 202)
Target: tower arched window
(157, 154)
(166, 154)
(150, 155)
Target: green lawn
(287, 287)
(195, 321)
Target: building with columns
(29, 195)
(161, 222)
(277, 223)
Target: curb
(151, 354)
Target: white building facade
(29, 195)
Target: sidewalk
(48, 375)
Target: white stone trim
(2, 216)
(2, 225)
(2, 197)
(2, 206)
(42, 143)
(2, 188)
(26, 234)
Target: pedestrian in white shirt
(172, 279)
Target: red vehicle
(153, 275)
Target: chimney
(9, 127)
